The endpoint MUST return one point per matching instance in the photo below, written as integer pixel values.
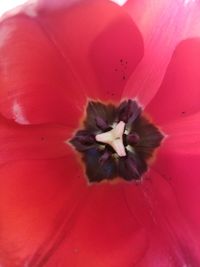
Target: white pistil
(114, 138)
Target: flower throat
(116, 141)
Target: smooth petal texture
(163, 25)
(179, 94)
(37, 200)
(49, 215)
(104, 227)
(183, 172)
(178, 162)
(37, 85)
(19, 142)
(183, 135)
(51, 218)
(170, 237)
(102, 42)
(53, 82)
(54, 4)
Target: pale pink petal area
(163, 25)
(171, 239)
(55, 4)
(51, 61)
(37, 203)
(179, 94)
(102, 43)
(19, 142)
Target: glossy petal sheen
(52, 61)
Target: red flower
(54, 58)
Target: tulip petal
(49, 216)
(178, 162)
(51, 61)
(182, 170)
(54, 4)
(34, 77)
(104, 234)
(179, 94)
(163, 25)
(183, 135)
(19, 142)
(37, 199)
(102, 41)
(170, 238)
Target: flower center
(114, 138)
(116, 141)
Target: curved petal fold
(37, 199)
(163, 25)
(178, 163)
(104, 226)
(102, 42)
(171, 239)
(36, 84)
(23, 142)
(51, 61)
(183, 135)
(181, 169)
(49, 216)
(179, 94)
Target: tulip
(99, 131)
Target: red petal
(170, 238)
(179, 94)
(183, 135)
(104, 227)
(163, 24)
(102, 42)
(37, 199)
(49, 216)
(19, 142)
(51, 62)
(34, 77)
(182, 170)
(178, 162)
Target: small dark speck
(126, 62)
(124, 77)
(116, 69)
(42, 138)
(183, 112)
